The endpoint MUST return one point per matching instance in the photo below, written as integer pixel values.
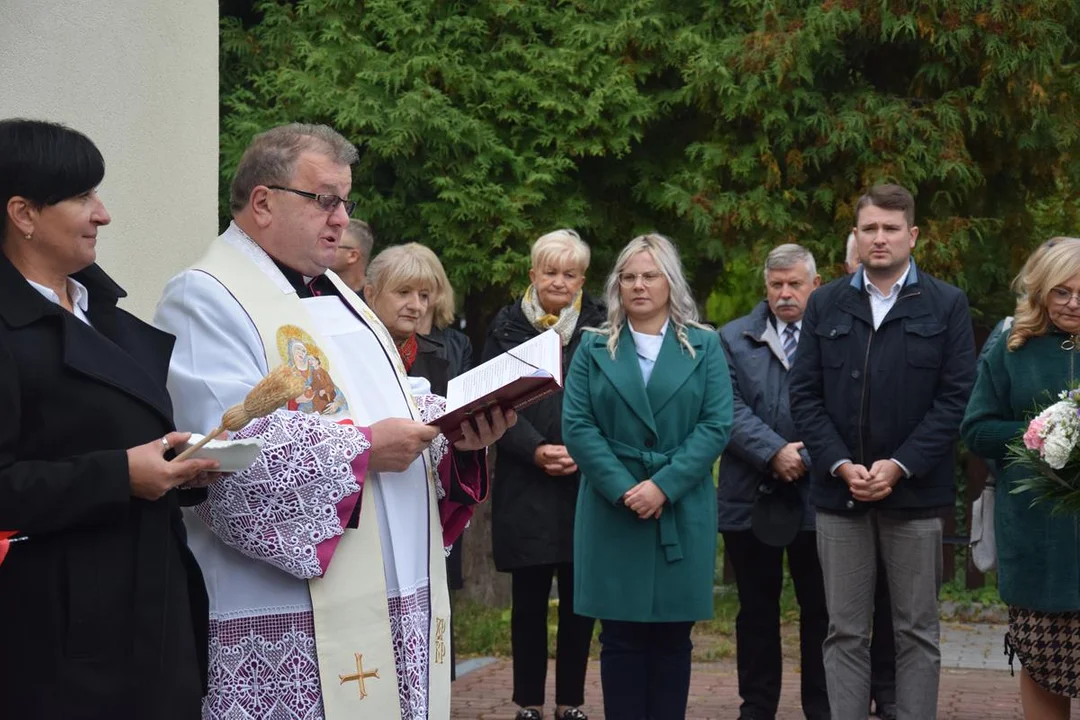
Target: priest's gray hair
(271, 157)
(789, 255)
(682, 310)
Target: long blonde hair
(682, 310)
(1053, 263)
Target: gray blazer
(763, 425)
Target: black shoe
(528, 714)
(571, 714)
(885, 711)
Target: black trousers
(530, 589)
(645, 669)
(759, 575)
(882, 646)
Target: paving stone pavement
(975, 684)
(974, 646)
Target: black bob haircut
(45, 163)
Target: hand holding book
(511, 381)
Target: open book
(517, 378)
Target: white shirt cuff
(907, 473)
(838, 463)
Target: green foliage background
(729, 126)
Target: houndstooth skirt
(1048, 646)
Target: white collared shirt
(881, 304)
(80, 297)
(648, 348)
(781, 326)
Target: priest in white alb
(324, 560)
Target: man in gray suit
(762, 495)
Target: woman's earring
(29, 236)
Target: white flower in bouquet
(1060, 431)
(1049, 449)
(1057, 449)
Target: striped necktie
(789, 342)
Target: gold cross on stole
(360, 676)
(440, 644)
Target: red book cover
(514, 379)
(519, 394)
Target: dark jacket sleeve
(41, 496)
(989, 422)
(460, 351)
(994, 336)
(523, 438)
(991, 342)
(815, 428)
(933, 439)
(751, 438)
(191, 498)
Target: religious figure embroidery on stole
(360, 676)
(440, 644)
(321, 395)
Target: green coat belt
(653, 462)
(620, 432)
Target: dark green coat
(1038, 553)
(621, 432)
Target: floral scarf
(408, 351)
(564, 323)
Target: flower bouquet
(1050, 450)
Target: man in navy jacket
(879, 385)
(764, 461)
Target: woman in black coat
(407, 288)
(102, 608)
(536, 484)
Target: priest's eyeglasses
(325, 202)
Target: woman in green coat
(646, 413)
(1038, 551)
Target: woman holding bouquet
(1038, 550)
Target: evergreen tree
(729, 126)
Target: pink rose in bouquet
(1032, 438)
(1049, 450)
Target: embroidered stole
(352, 624)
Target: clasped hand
(554, 460)
(787, 463)
(646, 499)
(870, 485)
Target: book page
(537, 357)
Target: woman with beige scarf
(536, 484)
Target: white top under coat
(648, 349)
(80, 297)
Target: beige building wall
(140, 78)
